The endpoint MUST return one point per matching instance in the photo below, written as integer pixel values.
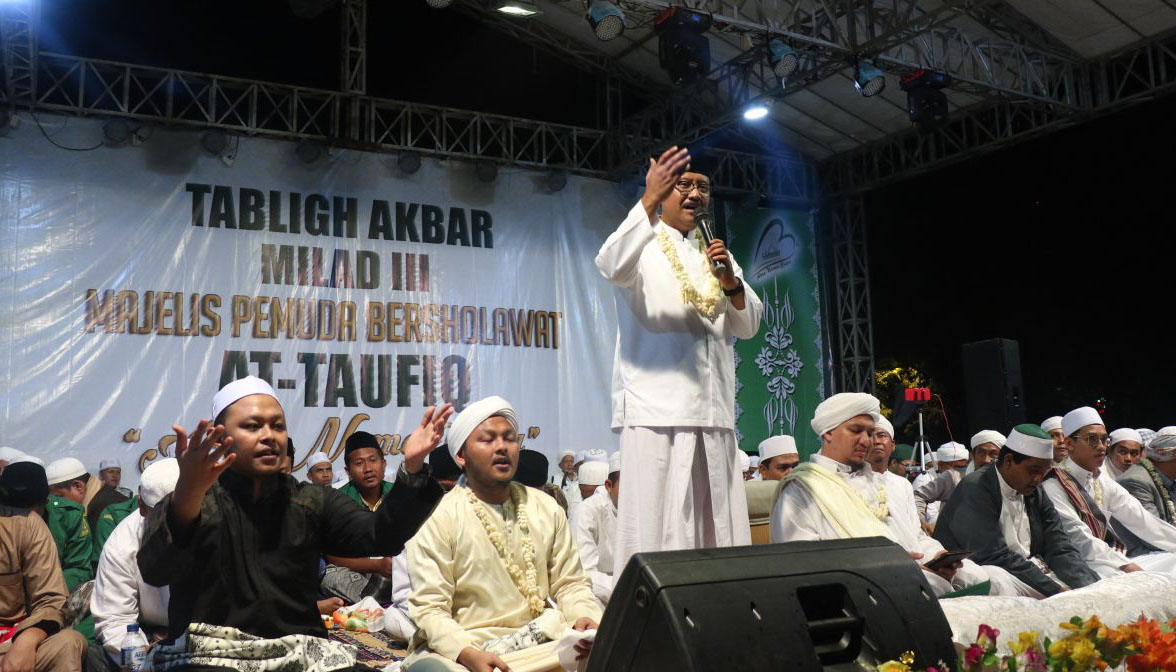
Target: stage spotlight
(783, 58)
(409, 162)
(439, 4)
(523, 8)
(308, 151)
(555, 180)
(868, 80)
(926, 102)
(215, 141)
(486, 171)
(682, 49)
(756, 111)
(116, 132)
(607, 20)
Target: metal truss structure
(853, 336)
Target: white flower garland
(706, 304)
(527, 579)
(881, 511)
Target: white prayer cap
(755, 460)
(883, 424)
(1051, 423)
(950, 452)
(1163, 445)
(239, 389)
(1146, 435)
(111, 463)
(567, 453)
(1079, 418)
(744, 460)
(1126, 434)
(614, 462)
(8, 454)
(844, 406)
(158, 480)
(64, 469)
(775, 446)
(316, 459)
(928, 458)
(467, 421)
(988, 436)
(29, 458)
(593, 473)
(1030, 440)
(596, 455)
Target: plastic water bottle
(134, 649)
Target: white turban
(111, 463)
(316, 459)
(475, 414)
(1146, 435)
(1163, 445)
(614, 462)
(844, 406)
(775, 446)
(988, 436)
(593, 473)
(744, 461)
(1079, 418)
(883, 424)
(8, 454)
(596, 455)
(1126, 434)
(64, 469)
(950, 452)
(239, 389)
(30, 458)
(1030, 440)
(1052, 423)
(158, 480)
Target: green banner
(779, 381)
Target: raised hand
(425, 437)
(203, 456)
(661, 177)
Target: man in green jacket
(109, 519)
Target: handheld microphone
(702, 219)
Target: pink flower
(987, 636)
(973, 655)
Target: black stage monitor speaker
(992, 385)
(802, 607)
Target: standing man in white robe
(674, 371)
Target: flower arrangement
(1143, 646)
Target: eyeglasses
(1094, 440)
(686, 186)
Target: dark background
(1061, 243)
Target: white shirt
(120, 596)
(1014, 519)
(596, 521)
(673, 367)
(904, 517)
(1118, 504)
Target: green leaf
(1075, 620)
(990, 659)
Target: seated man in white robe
(120, 596)
(1110, 528)
(596, 523)
(836, 495)
(494, 569)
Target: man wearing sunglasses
(1111, 529)
(680, 304)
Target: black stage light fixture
(682, 47)
(309, 151)
(783, 58)
(926, 102)
(408, 162)
(116, 132)
(439, 4)
(215, 141)
(486, 171)
(868, 80)
(555, 180)
(606, 19)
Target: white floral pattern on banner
(779, 363)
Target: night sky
(1061, 243)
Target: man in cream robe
(674, 370)
(468, 608)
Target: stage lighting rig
(520, 8)
(783, 58)
(926, 102)
(682, 47)
(868, 80)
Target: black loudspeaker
(803, 606)
(992, 385)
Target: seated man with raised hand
(494, 569)
(120, 596)
(238, 543)
(1109, 527)
(999, 514)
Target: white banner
(134, 281)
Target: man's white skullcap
(567, 453)
(1079, 418)
(30, 458)
(883, 424)
(1162, 447)
(775, 446)
(316, 459)
(1030, 440)
(844, 406)
(1052, 423)
(64, 469)
(239, 389)
(988, 436)
(1126, 434)
(467, 421)
(950, 452)
(9, 454)
(593, 473)
(110, 463)
(755, 460)
(158, 480)
(744, 460)
(614, 462)
(596, 455)
(1146, 435)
